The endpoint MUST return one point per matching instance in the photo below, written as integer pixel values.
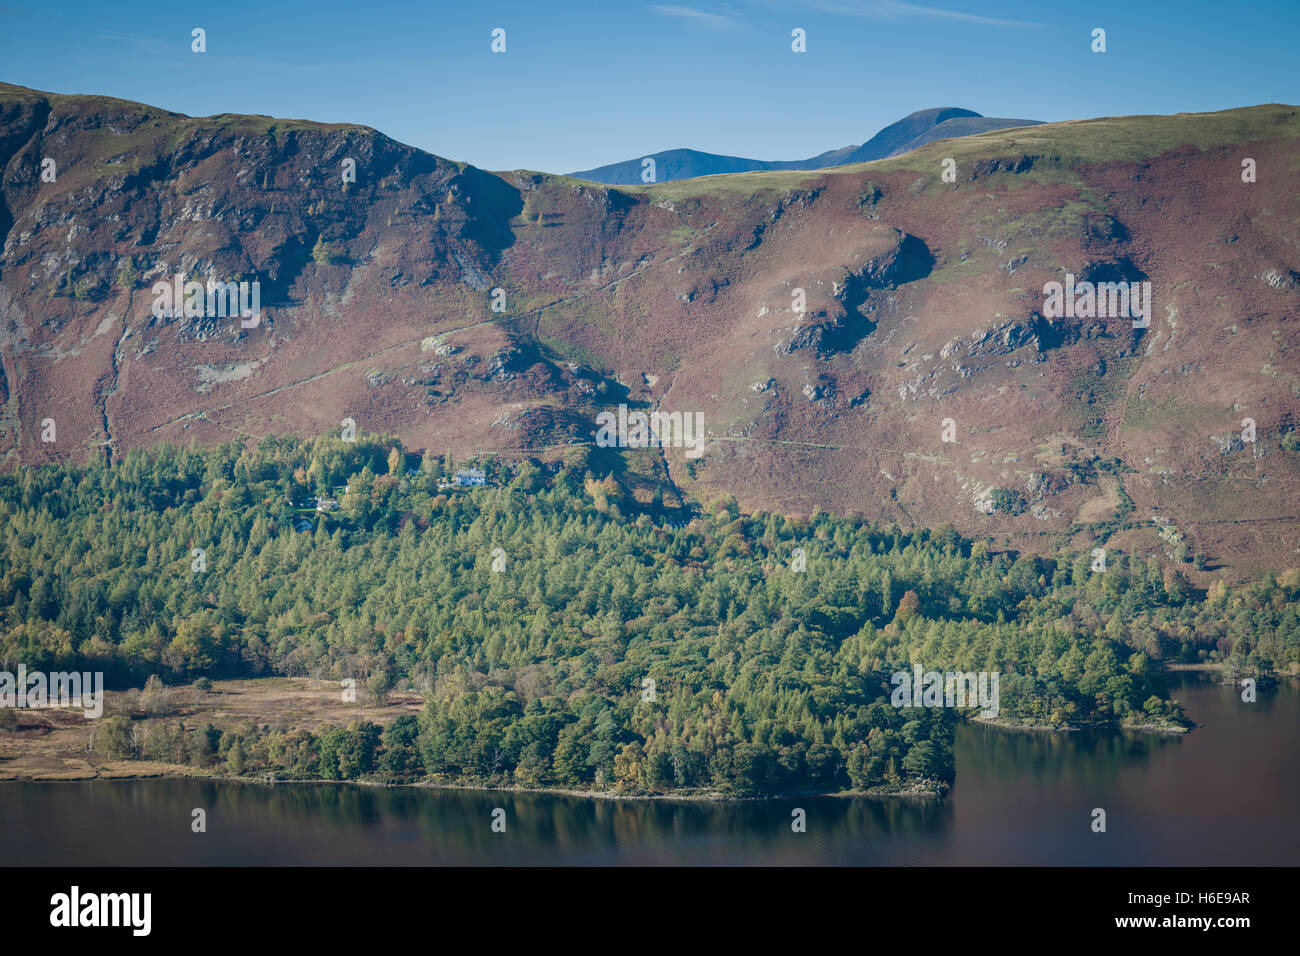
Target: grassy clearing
(57, 744)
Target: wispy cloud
(138, 45)
(897, 10)
(141, 44)
(699, 18)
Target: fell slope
(924, 303)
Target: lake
(1225, 794)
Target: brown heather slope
(924, 303)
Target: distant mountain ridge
(916, 129)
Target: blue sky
(587, 83)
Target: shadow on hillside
(915, 261)
(493, 204)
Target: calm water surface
(1227, 793)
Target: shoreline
(1168, 729)
(183, 772)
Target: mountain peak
(913, 130)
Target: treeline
(764, 677)
(492, 739)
